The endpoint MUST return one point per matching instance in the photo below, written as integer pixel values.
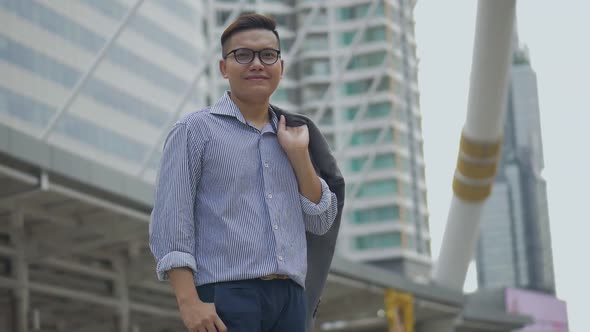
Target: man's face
(253, 82)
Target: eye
(269, 54)
(243, 54)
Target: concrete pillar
(122, 292)
(21, 273)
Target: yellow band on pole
(395, 301)
(474, 170)
(480, 150)
(471, 193)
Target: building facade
(514, 248)
(106, 80)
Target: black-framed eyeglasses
(267, 56)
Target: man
(236, 193)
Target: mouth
(256, 78)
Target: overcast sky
(557, 36)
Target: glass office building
(106, 80)
(514, 248)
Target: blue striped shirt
(227, 203)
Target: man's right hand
(197, 315)
(200, 316)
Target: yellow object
(477, 161)
(480, 150)
(470, 192)
(477, 170)
(396, 304)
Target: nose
(256, 64)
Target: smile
(256, 78)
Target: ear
(222, 68)
(282, 67)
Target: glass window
(375, 215)
(353, 12)
(47, 19)
(331, 140)
(381, 161)
(377, 188)
(66, 76)
(370, 136)
(279, 95)
(374, 111)
(408, 189)
(327, 117)
(375, 34)
(314, 92)
(144, 26)
(357, 164)
(321, 18)
(380, 10)
(316, 42)
(370, 35)
(364, 137)
(356, 87)
(25, 109)
(316, 67)
(384, 84)
(384, 161)
(124, 103)
(283, 20)
(379, 110)
(350, 112)
(367, 60)
(221, 17)
(146, 69)
(38, 63)
(63, 26)
(347, 37)
(100, 138)
(378, 241)
(181, 9)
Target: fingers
(282, 123)
(219, 325)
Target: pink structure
(548, 313)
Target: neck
(254, 113)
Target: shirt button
(280, 258)
(269, 195)
(275, 226)
(266, 164)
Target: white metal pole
(480, 144)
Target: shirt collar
(226, 106)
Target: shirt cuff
(312, 209)
(173, 260)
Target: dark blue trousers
(258, 305)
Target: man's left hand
(293, 140)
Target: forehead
(255, 39)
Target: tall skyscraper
(514, 249)
(106, 79)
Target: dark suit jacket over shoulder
(320, 249)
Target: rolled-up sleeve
(172, 225)
(319, 217)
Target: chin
(257, 94)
